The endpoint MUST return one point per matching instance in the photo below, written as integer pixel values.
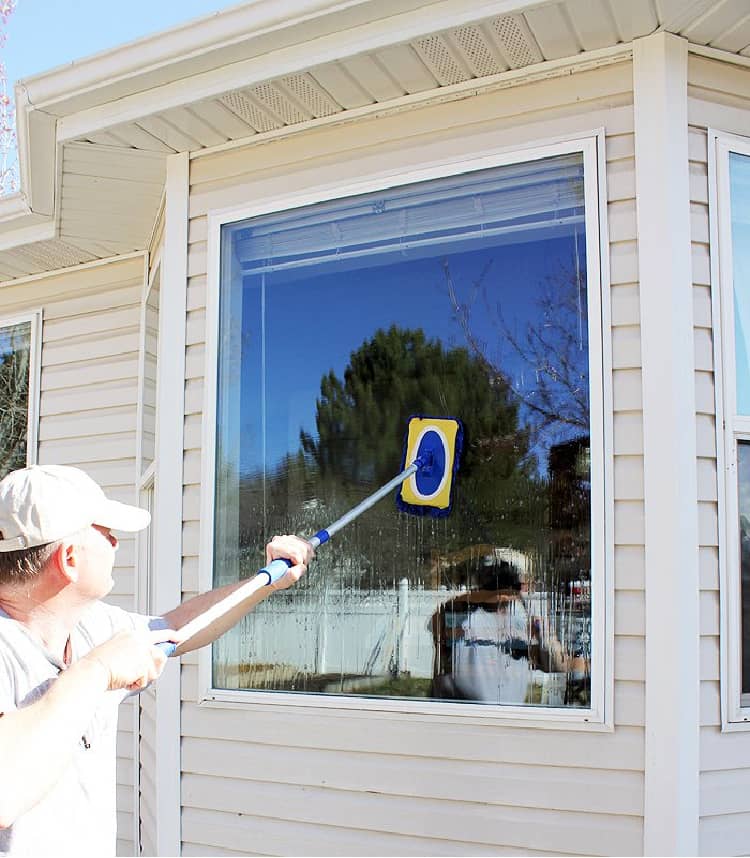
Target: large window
(18, 392)
(733, 207)
(466, 296)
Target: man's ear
(65, 561)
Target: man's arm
(37, 742)
(299, 551)
(545, 655)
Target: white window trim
(729, 426)
(165, 475)
(599, 716)
(34, 317)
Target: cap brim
(122, 516)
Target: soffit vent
(516, 41)
(53, 254)
(476, 51)
(440, 60)
(273, 99)
(250, 112)
(312, 97)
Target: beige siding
(262, 780)
(146, 772)
(147, 739)
(88, 418)
(719, 97)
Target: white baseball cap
(44, 503)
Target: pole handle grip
(275, 569)
(167, 647)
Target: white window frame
(730, 426)
(591, 145)
(34, 317)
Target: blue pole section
(324, 535)
(276, 568)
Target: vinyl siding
(719, 98)
(146, 772)
(263, 779)
(147, 739)
(89, 387)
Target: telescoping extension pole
(433, 448)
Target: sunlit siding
(147, 746)
(719, 98)
(89, 384)
(263, 780)
(147, 770)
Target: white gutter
(232, 35)
(36, 145)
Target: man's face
(97, 553)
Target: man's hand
(132, 659)
(299, 551)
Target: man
(67, 660)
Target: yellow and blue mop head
(434, 444)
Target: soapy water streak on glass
(477, 310)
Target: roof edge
(217, 39)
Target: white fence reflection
(352, 633)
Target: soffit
(111, 171)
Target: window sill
(464, 714)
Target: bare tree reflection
(552, 347)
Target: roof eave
(231, 35)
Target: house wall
(261, 779)
(89, 393)
(147, 713)
(718, 98)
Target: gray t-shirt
(78, 815)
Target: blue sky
(44, 34)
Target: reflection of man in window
(487, 645)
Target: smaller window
(18, 392)
(733, 222)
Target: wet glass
(743, 487)
(15, 363)
(461, 297)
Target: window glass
(15, 374)
(739, 195)
(743, 479)
(739, 178)
(463, 297)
